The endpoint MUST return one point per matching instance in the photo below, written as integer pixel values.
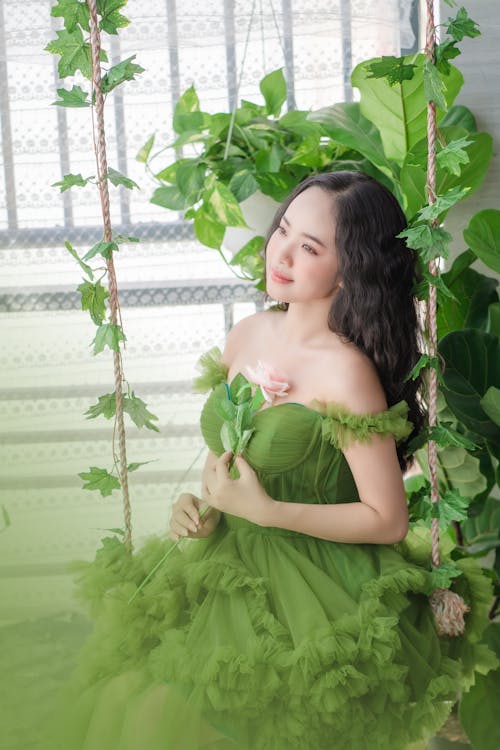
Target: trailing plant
(78, 45)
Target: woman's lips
(278, 278)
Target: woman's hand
(244, 497)
(185, 519)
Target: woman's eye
(309, 249)
(281, 230)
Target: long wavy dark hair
(375, 307)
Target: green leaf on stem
(111, 18)
(99, 479)
(442, 203)
(223, 206)
(169, 196)
(93, 299)
(110, 335)
(443, 53)
(453, 155)
(208, 230)
(190, 179)
(273, 89)
(425, 361)
(137, 410)
(103, 248)
(225, 408)
(249, 258)
(75, 97)
(87, 269)
(229, 437)
(434, 86)
(106, 406)
(243, 184)
(126, 70)
(187, 115)
(395, 69)
(117, 178)
(462, 25)
(73, 13)
(143, 153)
(71, 180)
(443, 576)
(74, 52)
(444, 435)
(121, 238)
(137, 464)
(431, 242)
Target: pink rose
(272, 382)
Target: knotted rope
(102, 170)
(449, 608)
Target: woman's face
(301, 261)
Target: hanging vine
(80, 51)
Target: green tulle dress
(266, 639)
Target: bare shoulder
(247, 331)
(350, 378)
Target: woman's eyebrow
(304, 234)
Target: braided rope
(102, 169)
(448, 607)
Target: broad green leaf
(434, 86)
(308, 153)
(103, 248)
(483, 525)
(106, 406)
(472, 366)
(99, 479)
(190, 177)
(208, 230)
(273, 89)
(110, 335)
(223, 206)
(462, 25)
(187, 104)
(229, 437)
(244, 416)
(345, 124)
(117, 178)
(71, 180)
(250, 259)
(243, 393)
(270, 159)
(491, 404)
(73, 12)
(169, 196)
(460, 116)
(137, 410)
(111, 18)
(493, 325)
(395, 69)
(143, 153)
(400, 111)
(126, 70)
(74, 52)
(300, 123)
(87, 269)
(278, 186)
(225, 408)
(473, 293)
(75, 97)
(243, 184)
(93, 298)
(483, 237)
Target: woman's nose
(285, 253)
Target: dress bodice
(296, 450)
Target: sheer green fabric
(266, 639)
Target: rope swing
(448, 607)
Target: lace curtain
(178, 297)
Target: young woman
(299, 619)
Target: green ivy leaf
(137, 410)
(111, 18)
(93, 298)
(103, 248)
(73, 12)
(442, 204)
(430, 242)
(188, 104)
(108, 334)
(434, 86)
(74, 52)
(71, 180)
(443, 576)
(273, 89)
(75, 97)
(106, 405)
(462, 25)
(126, 70)
(117, 178)
(99, 479)
(393, 68)
(169, 196)
(87, 269)
(425, 361)
(250, 259)
(453, 155)
(143, 153)
(137, 464)
(208, 230)
(443, 53)
(444, 435)
(190, 178)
